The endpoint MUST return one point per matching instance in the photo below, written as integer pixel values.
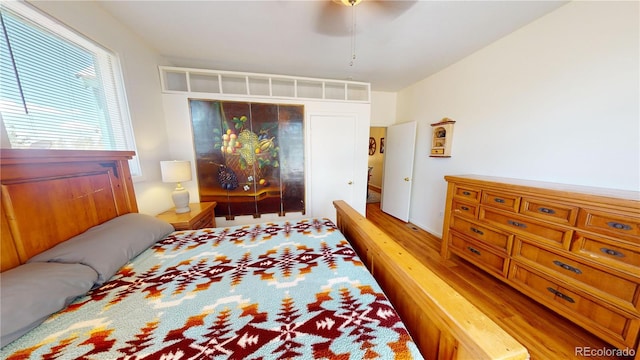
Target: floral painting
(250, 156)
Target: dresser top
(549, 187)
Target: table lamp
(177, 171)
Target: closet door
(332, 162)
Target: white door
(332, 162)
(399, 150)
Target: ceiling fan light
(350, 2)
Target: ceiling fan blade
(335, 18)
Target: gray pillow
(109, 246)
(30, 293)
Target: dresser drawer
(550, 234)
(618, 329)
(199, 216)
(607, 251)
(500, 200)
(467, 193)
(549, 211)
(464, 209)
(606, 223)
(478, 254)
(618, 290)
(204, 222)
(499, 239)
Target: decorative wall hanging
(442, 135)
(381, 145)
(250, 156)
(372, 146)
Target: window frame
(112, 79)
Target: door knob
(350, 182)
(406, 179)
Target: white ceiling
(396, 44)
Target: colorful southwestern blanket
(280, 290)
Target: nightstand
(201, 216)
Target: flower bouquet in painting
(253, 156)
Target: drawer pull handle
(464, 208)
(619, 226)
(567, 267)
(499, 200)
(479, 232)
(546, 210)
(466, 193)
(477, 252)
(518, 224)
(612, 252)
(560, 295)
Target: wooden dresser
(574, 249)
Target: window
(59, 90)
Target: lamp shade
(174, 171)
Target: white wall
(383, 108)
(140, 71)
(383, 114)
(557, 100)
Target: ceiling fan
(338, 17)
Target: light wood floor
(546, 334)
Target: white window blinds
(58, 89)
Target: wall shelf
(442, 135)
(187, 80)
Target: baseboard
(426, 228)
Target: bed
(282, 289)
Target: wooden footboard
(442, 322)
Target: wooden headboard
(49, 196)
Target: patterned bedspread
(272, 291)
